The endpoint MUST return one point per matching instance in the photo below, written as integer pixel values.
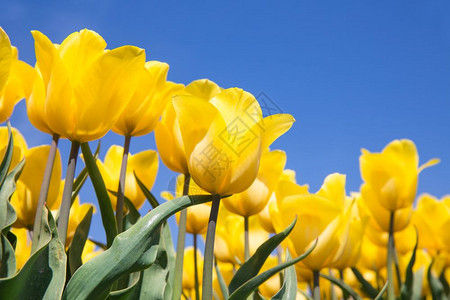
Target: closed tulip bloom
(197, 215)
(320, 216)
(83, 88)
(23, 246)
(225, 138)
(189, 272)
(391, 176)
(20, 145)
(152, 94)
(25, 199)
(16, 77)
(144, 164)
(255, 198)
(373, 257)
(168, 135)
(404, 239)
(432, 220)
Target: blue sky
(353, 73)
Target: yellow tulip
(255, 198)
(197, 215)
(167, 134)
(20, 145)
(153, 93)
(25, 199)
(270, 287)
(144, 164)
(373, 257)
(23, 246)
(89, 251)
(380, 216)
(82, 88)
(225, 138)
(432, 220)
(391, 176)
(404, 239)
(77, 213)
(16, 77)
(264, 215)
(189, 272)
(320, 216)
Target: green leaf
(222, 283)
(252, 266)
(78, 184)
(436, 287)
(407, 287)
(104, 203)
(133, 214)
(43, 275)
(133, 250)
(151, 199)
(6, 161)
(289, 289)
(344, 287)
(7, 212)
(365, 285)
(78, 242)
(418, 284)
(251, 285)
(132, 291)
(380, 294)
(8, 258)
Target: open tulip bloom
(382, 239)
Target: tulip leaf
(252, 284)
(78, 242)
(49, 261)
(222, 283)
(445, 284)
(381, 293)
(7, 259)
(365, 285)
(7, 158)
(151, 199)
(132, 250)
(418, 283)
(133, 214)
(289, 288)
(78, 184)
(131, 292)
(344, 287)
(254, 264)
(305, 294)
(436, 287)
(104, 203)
(7, 212)
(407, 287)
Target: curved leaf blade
(289, 289)
(151, 199)
(78, 242)
(344, 287)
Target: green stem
(207, 286)
(246, 239)
(64, 211)
(390, 259)
(316, 285)
(341, 277)
(44, 191)
(178, 274)
(197, 287)
(121, 187)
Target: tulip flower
(144, 164)
(432, 220)
(89, 251)
(193, 261)
(16, 77)
(167, 133)
(95, 85)
(23, 246)
(391, 176)
(19, 148)
(25, 199)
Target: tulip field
(257, 232)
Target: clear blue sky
(353, 73)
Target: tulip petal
(429, 163)
(45, 55)
(5, 58)
(273, 127)
(203, 88)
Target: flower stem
(390, 259)
(121, 187)
(246, 239)
(64, 210)
(178, 275)
(341, 277)
(197, 287)
(44, 191)
(207, 287)
(316, 285)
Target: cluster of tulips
(265, 235)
